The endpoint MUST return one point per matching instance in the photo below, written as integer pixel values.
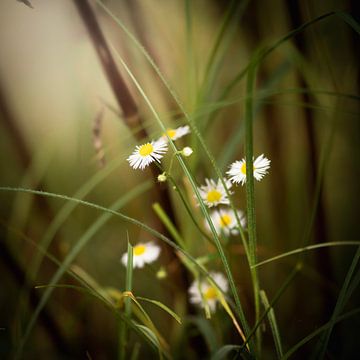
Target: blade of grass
(206, 330)
(340, 303)
(123, 337)
(66, 210)
(250, 195)
(161, 306)
(168, 224)
(318, 331)
(307, 248)
(273, 324)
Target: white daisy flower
(145, 154)
(143, 253)
(237, 170)
(214, 193)
(224, 221)
(177, 133)
(203, 291)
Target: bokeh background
(53, 91)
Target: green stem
(127, 302)
(250, 195)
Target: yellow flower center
(225, 220)
(210, 293)
(243, 168)
(139, 250)
(171, 133)
(213, 196)
(146, 149)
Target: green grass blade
(318, 331)
(66, 210)
(168, 224)
(123, 337)
(349, 20)
(250, 195)
(206, 331)
(340, 303)
(273, 324)
(307, 248)
(161, 306)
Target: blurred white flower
(224, 221)
(214, 193)
(143, 253)
(145, 154)
(237, 170)
(203, 291)
(177, 133)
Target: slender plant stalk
(123, 337)
(250, 196)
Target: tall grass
(240, 98)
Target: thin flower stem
(250, 196)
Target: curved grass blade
(66, 210)
(273, 324)
(340, 303)
(161, 306)
(319, 331)
(128, 288)
(308, 248)
(225, 351)
(206, 330)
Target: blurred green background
(52, 88)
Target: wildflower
(214, 193)
(224, 221)
(145, 154)
(162, 177)
(143, 253)
(203, 292)
(177, 133)
(237, 170)
(186, 151)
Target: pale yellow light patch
(213, 196)
(225, 220)
(171, 133)
(139, 250)
(210, 293)
(146, 149)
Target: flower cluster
(149, 152)
(214, 194)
